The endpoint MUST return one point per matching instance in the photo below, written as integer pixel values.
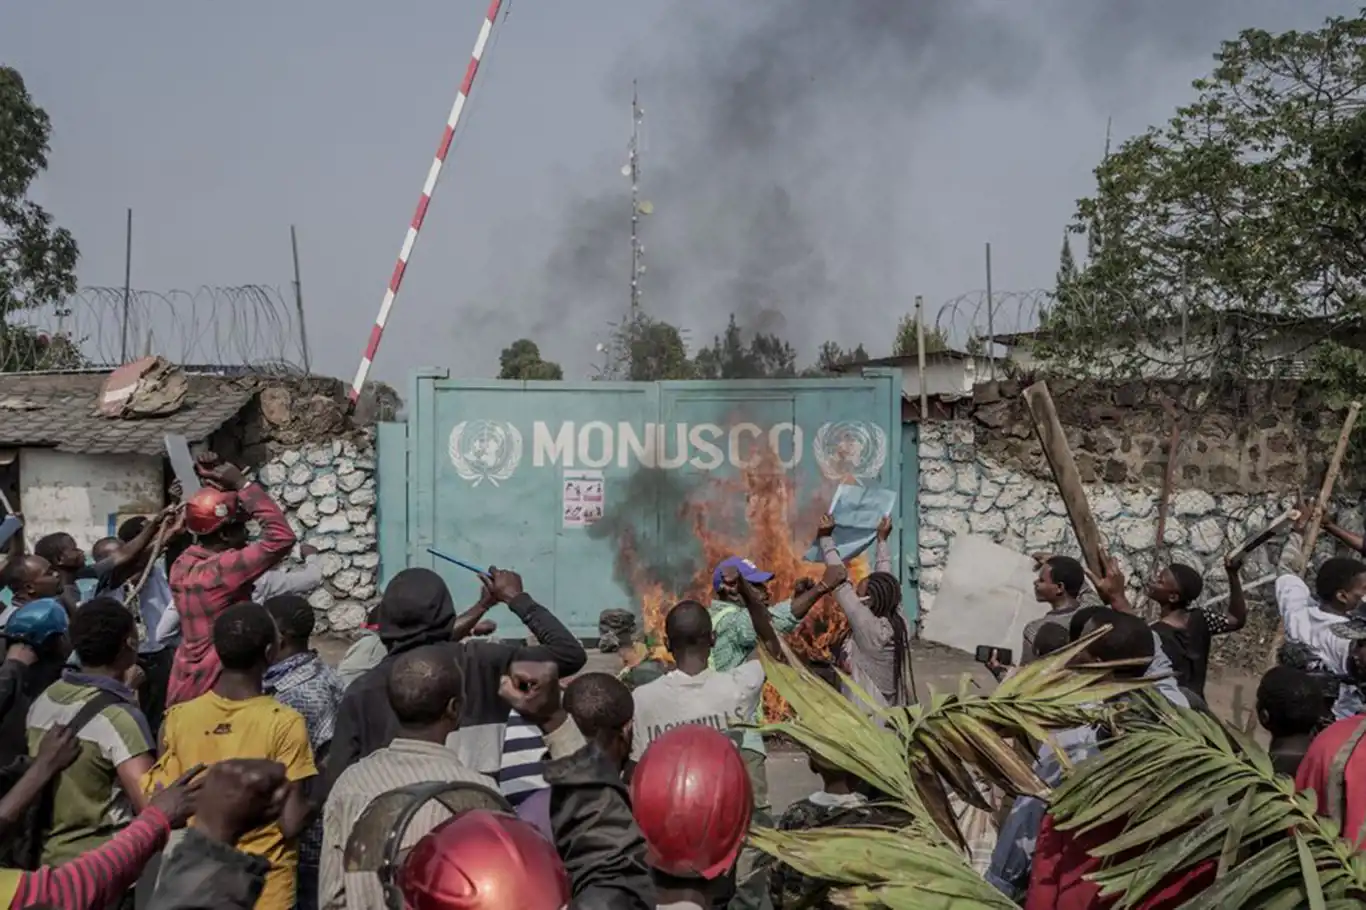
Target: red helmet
(692, 797)
(209, 509)
(482, 860)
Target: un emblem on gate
(485, 450)
(850, 448)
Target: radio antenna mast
(637, 208)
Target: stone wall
(327, 490)
(984, 474)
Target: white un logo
(485, 450)
(849, 449)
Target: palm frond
(1188, 790)
(879, 867)
(923, 757)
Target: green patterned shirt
(736, 641)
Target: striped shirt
(89, 805)
(402, 762)
(519, 774)
(98, 878)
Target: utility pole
(127, 288)
(633, 172)
(299, 301)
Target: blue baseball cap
(746, 567)
(37, 621)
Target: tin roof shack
(69, 468)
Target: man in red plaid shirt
(219, 568)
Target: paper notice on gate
(985, 598)
(583, 498)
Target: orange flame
(775, 540)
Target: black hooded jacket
(596, 834)
(416, 610)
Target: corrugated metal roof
(60, 410)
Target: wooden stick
(1168, 481)
(1311, 530)
(1065, 474)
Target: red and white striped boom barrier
(428, 187)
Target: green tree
(729, 356)
(831, 357)
(522, 360)
(1241, 214)
(1065, 281)
(936, 339)
(643, 349)
(37, 260)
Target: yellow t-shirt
(211, 728)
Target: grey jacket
(205, 874)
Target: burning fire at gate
(755, 514)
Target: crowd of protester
(174, 741)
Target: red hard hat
(482, 860)
(691, 795)
(209, 509)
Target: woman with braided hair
(877, 650)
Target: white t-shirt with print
(718, 700)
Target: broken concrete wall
(1241, 461)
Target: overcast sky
(825, 160)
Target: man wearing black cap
(416, 610)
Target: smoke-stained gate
(595, 490)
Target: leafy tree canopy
(522, 360)
(1244, 214)
(729, 356)
(37, 260)
(936, 339)
(643, 349)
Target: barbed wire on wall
(1121, 340)
(969, 315)
(248, 326)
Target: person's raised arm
(882, 561)
(57, 750)
(279, 581)
(465, 623)
(590, 811)
(277, 537)
(869, 632)
(558, 642)
(1110, 586)
(807, 594)
(764, 633)
(1236, 617)
(1347, 537)
(1289, 562)
(16, 543)
(128, 553)
(98, 878)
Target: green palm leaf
(1188, 791)
(922, 756)
(883, 868)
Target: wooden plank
(1311, 531)
(1065, 474)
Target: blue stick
(459, 562)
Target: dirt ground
(937, 668)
